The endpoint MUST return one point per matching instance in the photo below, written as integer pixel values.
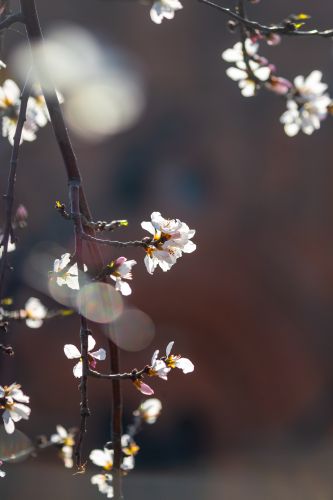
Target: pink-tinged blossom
(307, 105)
(273, 39)
(279, 85)
(176, 361)
(67, 276)
(72, 352)
(143, 388)
(12, 402)
(164, 9)
(171, 238)
(122, 270)
(21, 216)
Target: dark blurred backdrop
(253, 307)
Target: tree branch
(9, 196)
(285, 29)
(34, 33)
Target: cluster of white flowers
(72, 352)
(34, 313)
(36, 115)
(64, 439)
(149, 410)
(104, 458)
(171, 238)
(164, 9)
(12, 404)
(160, 367)
(307, 100)
(307, 105)
(248, 73)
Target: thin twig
(9, 196)
(116, 422)
(134, 375)
(285, 29)
(74, 196)
(119, 244)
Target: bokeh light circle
(99, 302)
(133, 331)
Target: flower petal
(100, 354)
(169, 348)
(91, 342)
(77, 370)
(71, 351)
(8, 422)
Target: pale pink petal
(100, 354)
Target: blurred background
(252, 307)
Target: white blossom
(66, 276)
(249, 73)
(122, 270)
(38, 107)
(164, 9)
(149, 410)
(34, 313)
(176, 361)
(66, 440)
(307, 106)
(246, 83)
(158, 367)
(236, 55)
(72, 352)
(127, 463)
(11, 401)
(171, 238)
(10, 247)
(104, 484)
(128, 445)
(102, 458)
(9, 108)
